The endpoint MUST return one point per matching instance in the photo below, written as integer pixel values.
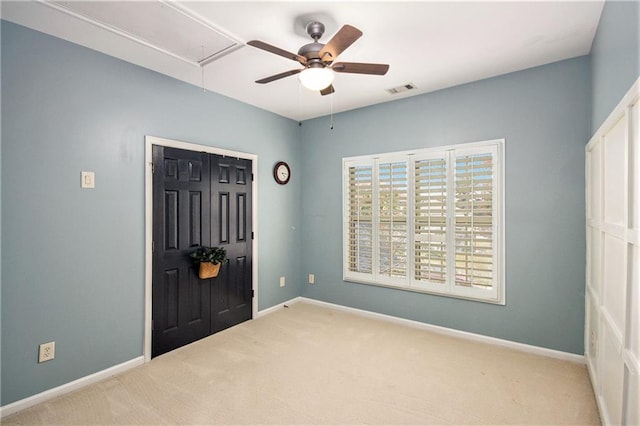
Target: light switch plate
(88, 180)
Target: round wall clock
(281, 172)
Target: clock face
(281, 172)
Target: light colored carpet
(313, 365)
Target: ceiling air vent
(400, 89)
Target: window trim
(497, 295)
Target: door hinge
(253, 294)
(251, 177)
(153, 168)
(153, 246)
(152, 325)
(252, 235)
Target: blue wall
(615, 57)
(544, 114)
(72, 259)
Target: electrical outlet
(47, 352)
(282, 282)
(312, 279)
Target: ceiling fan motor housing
(311, 50)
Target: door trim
(148, 222)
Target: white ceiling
(433, 45)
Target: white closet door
(612, 306)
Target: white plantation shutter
(428, 220)
(430, 223)
(474, 220)
(360, 218)
(392, 219)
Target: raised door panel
(594, 239)
(595, 183)
(615, 281)
(171, 298)
(592, 334)
(615, 188)
(171, 230)
(612, 376)
(223, 217)
(634, 141)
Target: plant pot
(208, 270)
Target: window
(427, 220)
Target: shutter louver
(360, 239)
(430, 221)
(474, 206)
(392, 225)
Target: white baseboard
(566, 356)
(277, 307)
(14, 407)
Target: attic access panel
(165, 27)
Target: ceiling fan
(318, 59)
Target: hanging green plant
(210, 259)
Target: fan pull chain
(331, 102)
(299, 104)
(202, 71)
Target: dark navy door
(199, 199)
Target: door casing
(148, 239)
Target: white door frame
(148, 222)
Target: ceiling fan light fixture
(316, 78)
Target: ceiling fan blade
(278, 76)
(339, 42)
(360, 68)
(281, 52)
(327, 90)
